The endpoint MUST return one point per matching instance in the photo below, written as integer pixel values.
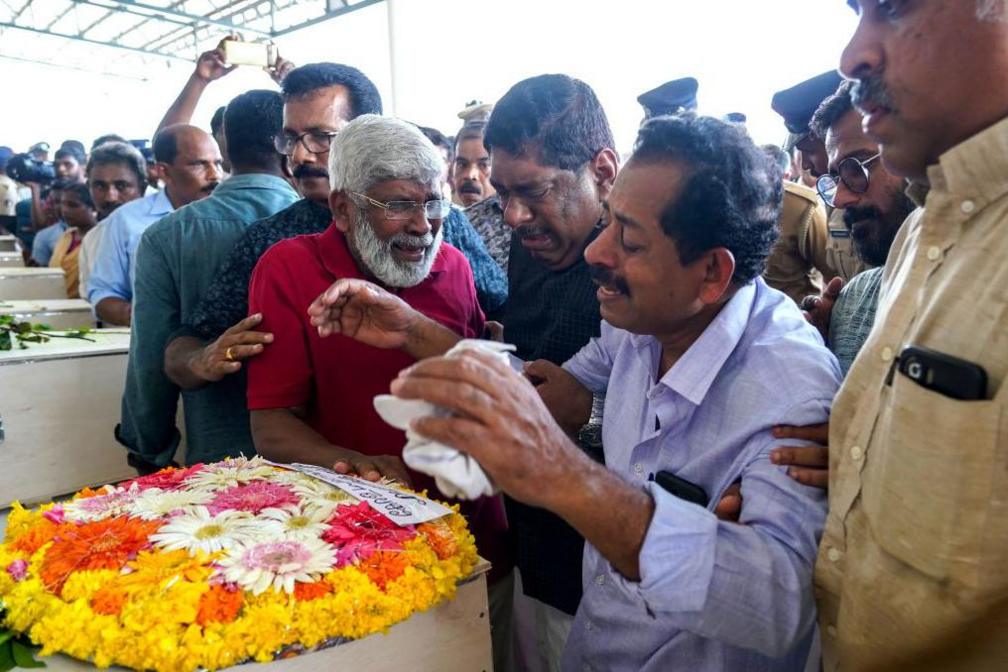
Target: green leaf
(24, 656)
(6, 657)
(5, 635)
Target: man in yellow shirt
(81, 216)
(915, 545)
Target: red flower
(166, 479)
(357, 531)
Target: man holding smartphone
(915, 544)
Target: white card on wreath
(402, 508)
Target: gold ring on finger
(229, 355)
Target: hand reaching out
(363, 311)
(819, 309)
(809, 464)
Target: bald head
(188, 161)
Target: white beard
(375, 255)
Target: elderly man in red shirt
(310, 397)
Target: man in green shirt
(175, 263)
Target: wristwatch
(590, 434)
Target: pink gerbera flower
(357, 531)
(166, 479)
(55, 515)
(253, 497)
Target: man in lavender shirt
(699, 359)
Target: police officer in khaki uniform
(813, 247)
(798, 264)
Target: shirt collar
(976, 168)
(692, 376)
(158, 204)
(336, 256)
(253, 181)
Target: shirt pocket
(927, 490)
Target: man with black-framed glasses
(874, 207)
(319, 100)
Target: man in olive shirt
(917, 534)
(176, 261)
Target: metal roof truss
(148, 30)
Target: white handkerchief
(456, 474)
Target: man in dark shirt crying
(552, 165)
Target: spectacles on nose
(400, 210)
(315, 142)
(851, 172)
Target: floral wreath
(214, 565)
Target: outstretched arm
(210, 66)
(367, 313)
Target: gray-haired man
(311, 397)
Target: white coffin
(59, 404)
(11, 260)
(32, 283)
(8, 243)
(453, 637)
(57, 313)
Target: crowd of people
(758, 424)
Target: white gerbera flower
(257, 566)
(198, 531)
(292, 523)
(289, 477)
(229, 473)
(319, 498)
(155, 503)
(112, 502)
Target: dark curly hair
(557, 116)
(80, 190)
(832, 110)
(731, 194)
(364, 96)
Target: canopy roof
(126, 37)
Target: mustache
(470, 187)
(852, 216)
(871, 92)
(530, 231)
(210, 187)
(408, 240)
(603, 276)
(304, 170)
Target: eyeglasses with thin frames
(400, 210)
(854, 175)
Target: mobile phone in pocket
(947, 375)
(681, 488)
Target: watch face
(591, 436)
